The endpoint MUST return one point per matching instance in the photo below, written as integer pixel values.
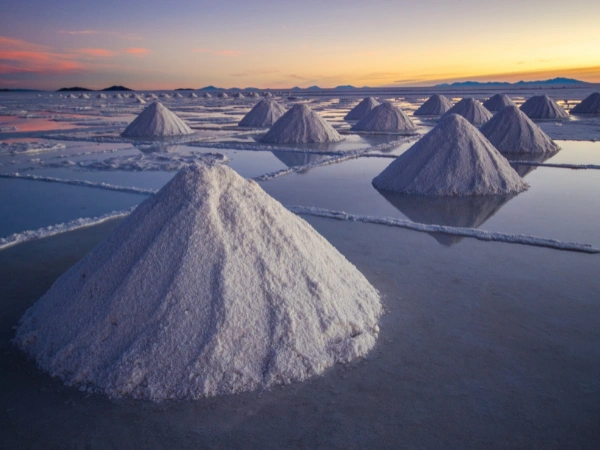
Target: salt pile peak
(511, 131)
(436, 105)
(366, 105)
(385, 118)
(453, 159)
(264, 114)
(589, 105)
(156, 120)
(210, 287)
(301, 125)
(496, 102)
(472, 110)
(543, 107)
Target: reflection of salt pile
(385, 118)
(543, 107)
(364, 107)
(452, 159)
(496, 102)
(156, 120)
(472, 110)
(264, 114)
(209, 287)
(590, 105)
(296, 159)
(436, 105)
(301, 125)
(511, 131)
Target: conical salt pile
(590, 105)
(511, 131)
(267, 94)
(140, 100)
(237, 95)
(301, 125)
(472, 110)
(156, 120)
(207, 95)
(84, 96)
(364, 107)
(210, 287)
(253, 94)
(222, 95)
(497, 102)
(452, 159)
(177, 95)
(436, 105)
(543, 107)
(386, 118)
(192, 95)
(71, 96)
(264, 114)
(101, 96)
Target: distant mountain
(209, 88)
(344, 88)
(553, 81)
(117, 88)
(73, 89)
(184, 89)
(19, 90)
(313, 88)
(251, 89)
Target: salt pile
(117, 96)
(364, 107)
(222, 95)
(472, 110)
(497, 102)
(140, 100)
(192, 95)
(264, 114)
(511, 131)
(209, 287)
(436, 105)
(301, 125)
(543, 107)
(71, 96)
(101, 96)
(452, 159)
(386, 118)
(253, 94)
(237, 95)
(154, 121)
(267, 94)
(206, 95)
(590, 105)
(84, 96)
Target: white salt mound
(436, 105)
(386, 118)
(237, 95)
(472, 110)
(497, 102)
(101, 96)
(156, 120)
(590, 105)
(301, 125)
(209, 287)
(267, 94)
(264, 114)
(543, 107)
(453, 159)
(207, 95)
(177, 95)
(222, 95)
(192, 95)
(364, 107)
(511, 131)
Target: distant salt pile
(163, 95)
(590, 105)
(301, 125)
(151, 96)
(177, 95)
(222, 95)
(511, 131)
(253, 94)
(453, 159)
(264, 114)
(140, 100)
(543, 107)
(359, 111)
(156, 120)
(101, 96)
(497, 102)
(206, 95)
(472, 110)
(385, 118)
(71, 96)
(84, 96)
(209, 287)
(117, 96)
(436, 105)
(237, 95)
(192, 95)
(267, 94)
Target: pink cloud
(218, 52)
(96, 32)
(137, 51)
(101, 52)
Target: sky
(168, 44)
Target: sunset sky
(154, 44)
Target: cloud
(96, 32)
(254, 72)
(137, 51)
(297, 77)
(101, 52)
(231, 53)
(406, 81)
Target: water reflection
(464, 212)
(523, 169)
(295, 159)
(158, 147)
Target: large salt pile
(364, 107)
(496, 102)
(436, 105)
(452, 159)
(264, 114)
(543, 107)
(511, 131)
(156, 120)
(472, 110)
(210, 287)
(301, 125)
(386, 118)
(590, 105)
